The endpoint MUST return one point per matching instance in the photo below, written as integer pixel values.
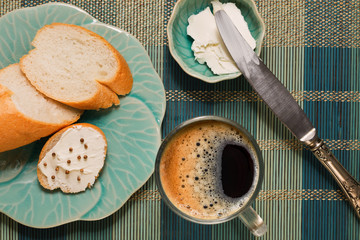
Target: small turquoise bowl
(180, 43)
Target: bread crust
(103, 98)
(107, 90)
(49, 145)
(16, 129)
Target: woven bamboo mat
(313, 46)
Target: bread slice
(72, 158)
(77, 67)
(25, 114)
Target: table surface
(313, 46)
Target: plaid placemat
(313, 46)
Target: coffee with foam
(209, 170)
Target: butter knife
(281, 102)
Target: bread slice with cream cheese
(77, 67)
(26, 115)
(72, 158)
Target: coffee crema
(209, 169)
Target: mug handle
(253, 221)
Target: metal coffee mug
(245, 212)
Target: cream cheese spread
(208, 46)
(74, 162)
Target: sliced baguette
(72, 158)
(26, 115)
(77, 67)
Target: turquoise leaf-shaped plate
(180, 43)
(132, 130)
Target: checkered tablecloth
(313, 46)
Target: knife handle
(347, 183)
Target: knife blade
(284, 106)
